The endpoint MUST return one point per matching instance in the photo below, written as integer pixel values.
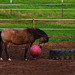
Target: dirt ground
(41, 66)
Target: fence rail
(38, 21)
(45, 28)
(35, 20)
(50, 36)
(37, 9)
(11, 4)
(40, 4)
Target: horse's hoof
(25, 59)
(1, 59)
(34, 58)
(9, 59)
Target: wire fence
(39, 4)
(46, 20)
(37, 9)
(45, 28)
(30, 9)
(42, 19)
(62, 9)
(38, 21)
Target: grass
(45, 25)
(38, 13)
(41, 14)
(35, 1)
(49, 32)
(38, 25)
(62, 39)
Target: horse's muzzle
(41, 45)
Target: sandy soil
(41, 66)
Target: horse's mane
(0, 37)
(36, 31)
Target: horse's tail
(1, 46)
(0, 38)
(1, 42)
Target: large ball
(35, 50)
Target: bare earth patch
(41, 66)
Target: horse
(18, 37)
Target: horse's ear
(41, 40)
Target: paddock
(42, 65)
(57, 19)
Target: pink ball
(35, 50)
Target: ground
(41, 66)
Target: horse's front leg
(6, 47)
(26, 50)
(1, 49)
(34, 57)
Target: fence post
(33, 22)
(62, 8)
(11, 7)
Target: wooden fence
(42, 21)
(38, 21)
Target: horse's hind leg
(1, 49)
(6, 47)
(26, 50)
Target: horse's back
(7, 34)
(16, 36)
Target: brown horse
(24, 36)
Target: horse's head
(38, 34)
(42, 35)
(43, 40)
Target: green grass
(62, 39)
(45, 25)
(42, 14)
(36, 1)
(55, 25)
(49, 32)
(39, 25)
(61, 32)
(38, 6)
(38, 14)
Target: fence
(62, 4)
(36, 20)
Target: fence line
(40, 19)
(35, 20)
(50, 36)
(45, 28)
(37, 9)
(55, 29)
(42, 4)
